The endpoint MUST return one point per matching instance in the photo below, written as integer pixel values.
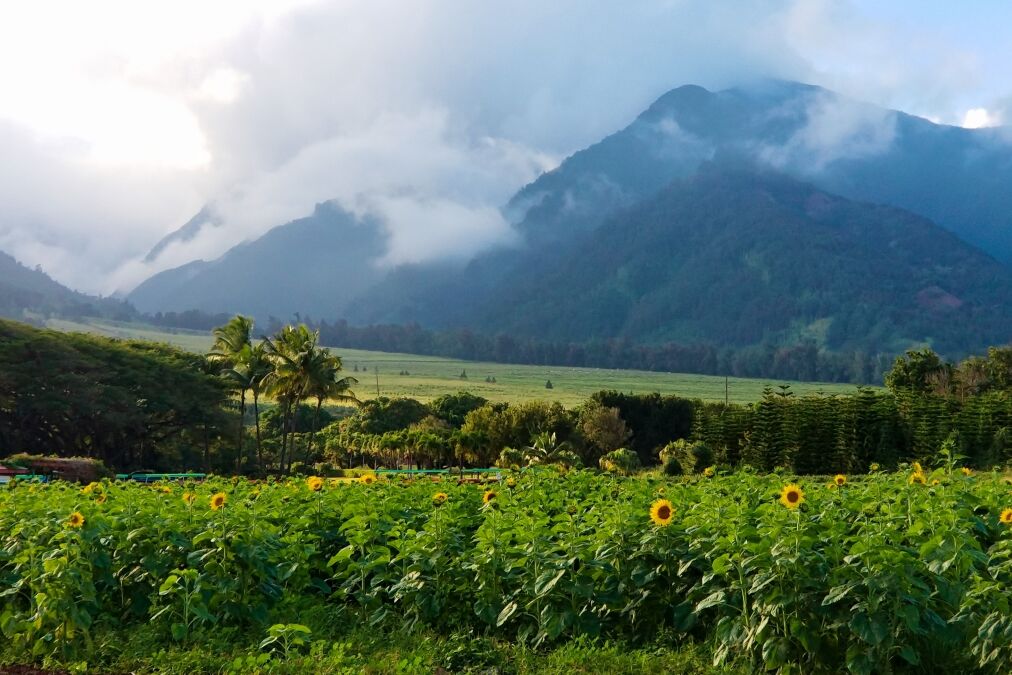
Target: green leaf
(505, 614)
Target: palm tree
(292, 352)
(259, 367)
(231, 342)
(251, 366)
(325, 385)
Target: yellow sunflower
(75, 520)
(966, 471)
(792, 496)
(166, 490)
(839, 479)
(315, 483)
(874, 466)
(936, 482)
(1006, 517)
(101, 499)
(189, 498)
(91, 487)
(439, 498)
(489, 496)
(218, 501)
(511, 482)
(709, 472)
(368, 479)
(918, 477)
(662, 513)
(916, 466)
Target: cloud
(977, 118)
(834, 128)
(427, 114)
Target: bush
(622, 461)
(511, 458)
(685, 457)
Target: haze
(120, 120)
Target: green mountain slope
(312, 266)
(739, 256)
(27, 293)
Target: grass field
(430, 376)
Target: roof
(11, 470)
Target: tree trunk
(284, 438)
(256, 419)
(242, 423)
(316, 422)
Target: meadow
(428, 377)
(891, 572)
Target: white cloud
(131, 116)
(977, 118)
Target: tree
(603, 430)
(232, 342)
(292, 351)
(914, 370)
(454, 407)
(324, 385)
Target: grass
(431, 376)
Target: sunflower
(966, 471)
(75, 520)
(439, 498)
(368, 479)
(101, 499)
(661, 512)
(792, 496)
(936, 482)
(709, 472)
(511, 482)
(918, 477)
(218, 501)
(189, 498)
(91, 487)
(489, 496)
(1006, 517)
(315, 483)
(839, 479)
(874, 466)
(916, 466)
(166, 490)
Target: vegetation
(430, 377)
(883, 573)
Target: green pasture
(430, 376)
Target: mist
(427, 115)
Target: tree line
(804, 361)
(258, 405)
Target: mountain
(27, 294)
(312, 266)
(740, 256)
(912, 243)
(206, 217)
(957, 177)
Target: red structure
(10, 471)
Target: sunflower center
(664, 512)
(792, 496)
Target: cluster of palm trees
(291, 367)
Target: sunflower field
(887, 572)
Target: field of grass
(430, 376)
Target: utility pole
(377, 371)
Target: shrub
(622, 461)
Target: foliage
(130, 404)
(621, 461)
(880, 573)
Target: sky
(119, 120)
